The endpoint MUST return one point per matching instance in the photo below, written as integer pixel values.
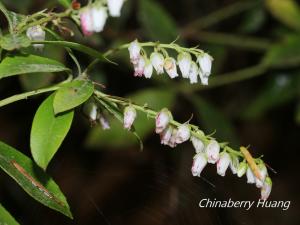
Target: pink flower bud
(129, 117)
(99, 15)
(193, 73)
(139, 68)
(166, 135)
(199, 162)
(134, 52)
(263, 174)
(170, 67)
(148, 70)
(172, 141)
(234, 164)
(212, 151)
(242, 169)
(114, 7)
(162, 120)
(36, 33)
(223, 163)
(184, 60)
(198, 144)
(250, 176)
(266, 189)
(157, 60)
(205, 62)
(86, 21)
(183, 133)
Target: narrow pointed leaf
(32, 179)
(48, 132)
(6, 218)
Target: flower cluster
(161, 61)
(93, 17)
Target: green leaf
(72, 94)
(11, 42)
(6, 218)
(156, 22)
(214, 120)
(21, 64)
(6, 14)
(286, 53)
(48, 132)
(32, 179)
(117, 136)
(286, 11)
(65, 3)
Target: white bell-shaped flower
(99, 15)
(114, 7)
(223, 163)
(134, 52)
(129, 117)
(165, 136)
(212, 151)
(193, 73)
(204, 79)
(148, 70)
(172, 142)
(234, 164)
(157, 60)
(184, 60)
(263, 174)
(242, 169)
(199, 162)
(170, 67)
(198, 144)
(250, 176)
(36, 33)
(205, 63)
(162, 120)
(266, 189)
(103, 121)
(139, 68)
(86, 21)
(183, 133)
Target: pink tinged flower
(199, 162)
(162, 120)
(172, 141)
(86, 21)
(114, 7)
(148, 70)
(157, 61)
(184, 60)
(129, 117)
(242, 169)
(212, 151)
(139, 67)
(103, 121)
(263, 174)
(193, 73)
(170, 67)
(205, 62)
(198, 144)
(99, 16)
(166, 135)
(204, 79)
(223, 163)
(36, 33)
(134, 52)
(183, 133)
(250, 176)
(234, 164)
(266, 189)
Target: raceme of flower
(162, 62)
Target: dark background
(109, 181)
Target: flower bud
(223, 163)
(193, 73)
(99, 15)
(129, 117)
(114, 7)
(198, 144)
(86, 21)
(139, 68)
(134, 52)
(199, 162)
(170, 67)
(266, 189)
(263, 174)
(183, 133)
(148, 70)
(234, 164)
(162, 120)
(157, 60)
(172, 141)
(93, 112)
(184, 60)
(166, 135)
(103, 121)
(242, 169)
(212, 151)
(36, 33)
(250, 176)
(205, 62)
